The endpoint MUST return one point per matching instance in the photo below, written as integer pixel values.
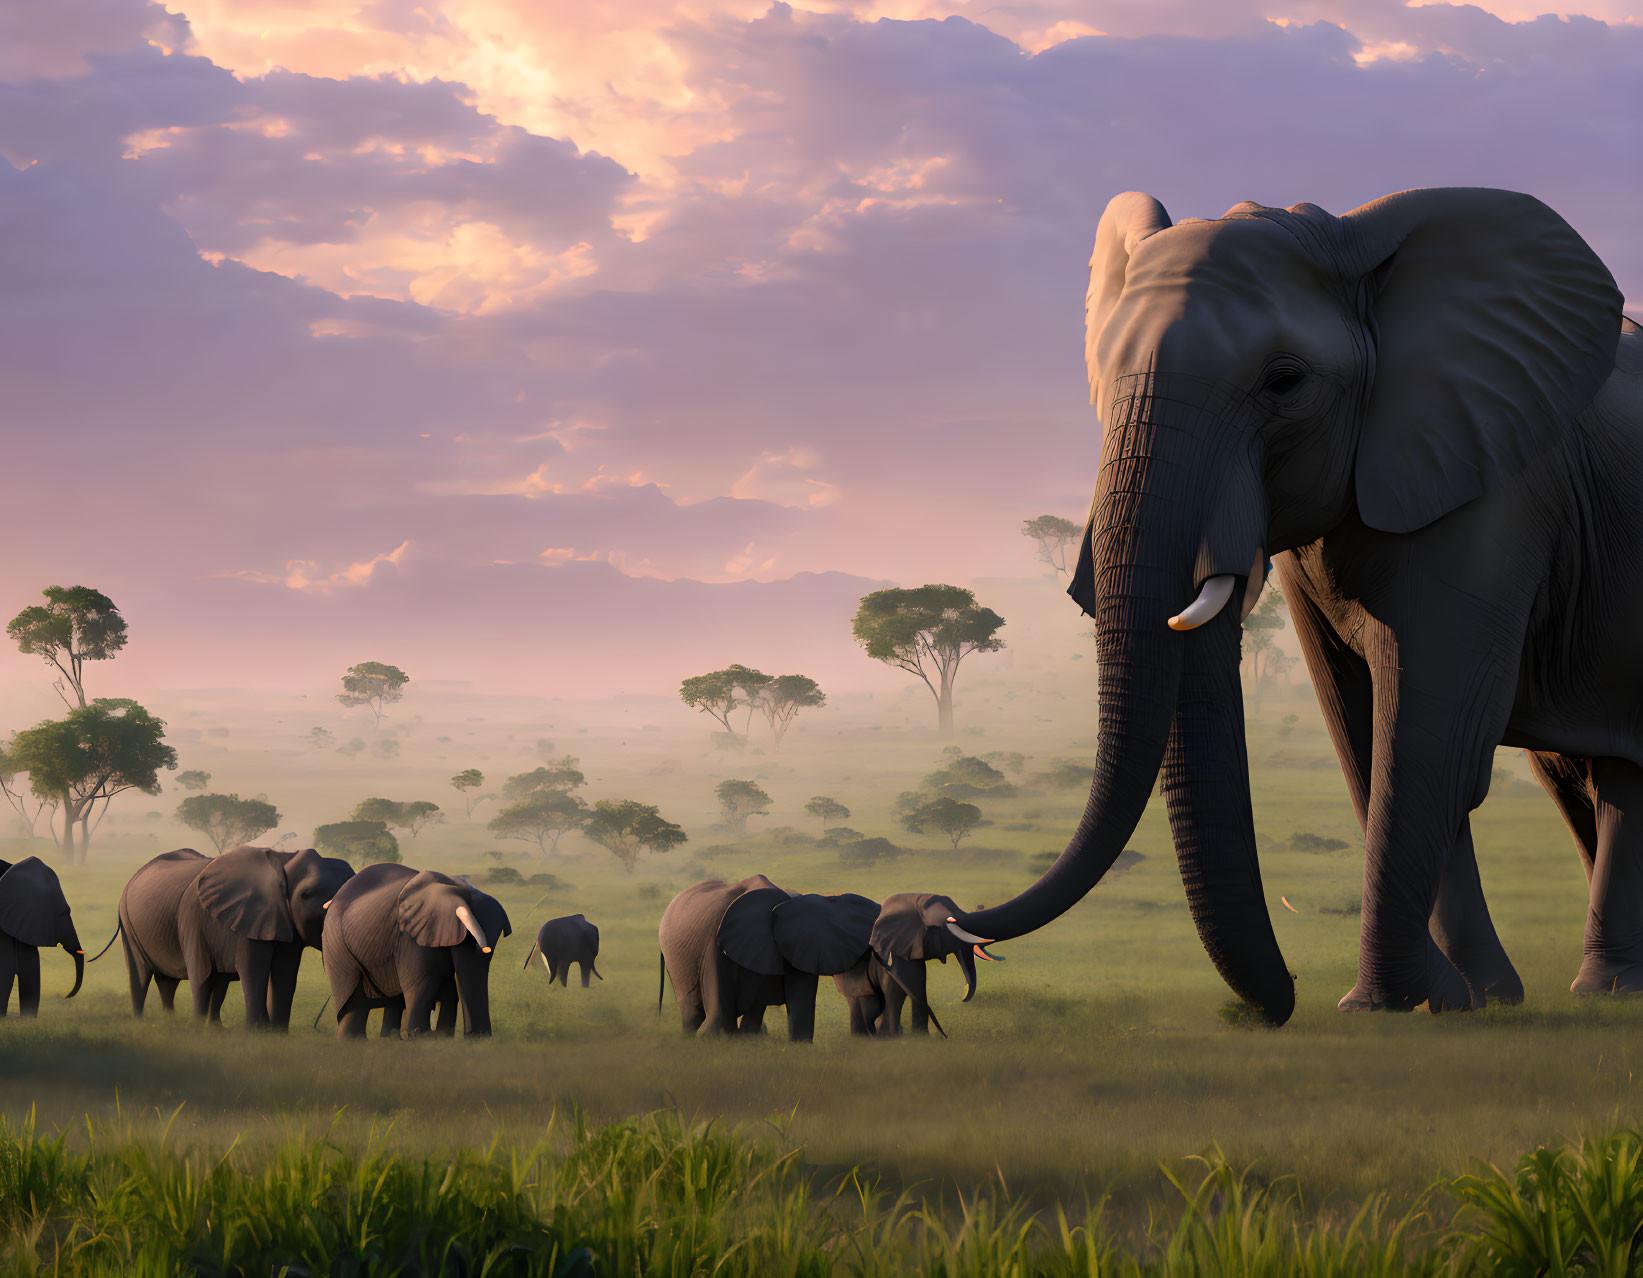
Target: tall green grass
(657, 1195)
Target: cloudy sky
(556, 344)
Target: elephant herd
(418, 944)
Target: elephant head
(439, 912)
(912, 928)
(772, 933)
(34, 912)
(1261, 377)
(265, 894)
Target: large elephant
(245, 916)
(34, 914)
(1429, 412)
(403, 940)
(909, 933)
(735, 949)
(565, 941)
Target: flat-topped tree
(226, 819)
(720, 692)
(543, 818)
(945, 815)
(1055, 537)
(360, 843)
(927, 631)
(410, 817)
(625, 828)
(782, 698)
(739, 800)
(75, 625)
(827, 810)
(563, 777)
(466, 783)
(374, 685)
(92, 754)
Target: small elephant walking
(564, 941)
(910, 931)
(735, 949)
(245, 916)
(33, 914)
(404, 940)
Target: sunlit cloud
(785, 479)
(306, 576)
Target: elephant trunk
(79, 957)
(1206, 788)
(473, 989)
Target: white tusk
(971, 937)
(326, 906)
(545, 964)
(1211, 599)
(477, 932)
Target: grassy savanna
(1089, 1066)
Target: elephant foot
(1447, 991)
(1601, 975)
(1494, 978)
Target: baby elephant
(564, 941)
(33, 913)
(910, 931)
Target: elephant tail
(321, 1011)
(661, 985)
(118, 927)
(595, 971)
(530, 956)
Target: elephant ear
(913, 926)
(824, 935)
(31, 903)
(245, 891)
(427, 910)
(1496, 324)
(747, 931)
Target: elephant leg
(587, 974)
(1613, 950)
(800, 991)
(393, 1018)
(8, 971)
(28, 981)
(282, 984)
(255, 963)
(200, 986)
(890, 1018)
(419, 1007)
(217, 990)
(752, 1020)
(449, 1004)
(1439, 711)
(859, 1023)
(1461, 927)
(718, 989)
(352, 1016)
(692, 1017)
(138, 975)
(914, 978)
(167, 988)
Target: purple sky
(417, 331)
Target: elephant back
(149, 905)
(32, 905)
(689, 929)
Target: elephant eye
(1282, 381)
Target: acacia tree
(358, 842)
(946, 815)
(466, 780)
(625, 827)
(542, 818)
(194, 779)
(226, 819)
(75, 625)
(1054, 536)
(720, 692)
(782, 698)
(410, 817)
(827, 810)
(562, 777)
(927, 632)
(373, 685)
(740, 800)
(1261, 628)
(88, 757)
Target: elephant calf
(404, 940)
(564, 941)
(910, 931)
(33, 913)
(245, 916)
